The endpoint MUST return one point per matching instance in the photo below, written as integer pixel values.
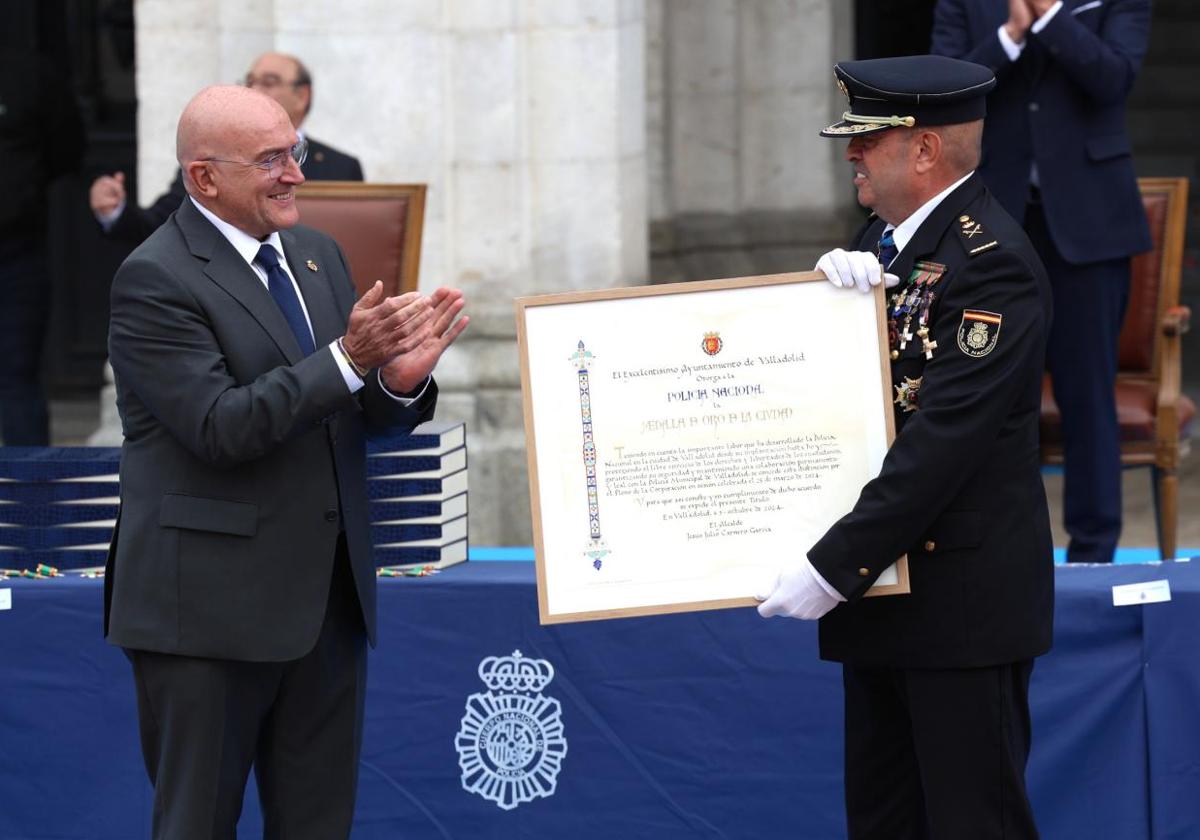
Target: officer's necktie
(281, 288)
(887, 248)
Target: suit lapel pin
(312, 266)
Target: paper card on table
(1147, 592)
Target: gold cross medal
(928, 345)
(906, 394)
(978, 332)
(925, 276)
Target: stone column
(525, 117)
(740, 182)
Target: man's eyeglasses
(276, 163)
(270, 81)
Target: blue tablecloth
(714, 725)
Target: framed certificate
(686, 441)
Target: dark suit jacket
(960, 491)
(1062, 104)
(324, 163)
(242, 459)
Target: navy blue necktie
(281, 288)
(887, 249)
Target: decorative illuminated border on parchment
(595, 549)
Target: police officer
(936, 681)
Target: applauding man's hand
(382, 327)
(406, 371)
(1020, 18)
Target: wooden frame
(396, 215)
(658, 344)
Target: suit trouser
(938, 754)
(24, 311)
(1081, 355)
(204, 722)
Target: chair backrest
(1154, 285)
(378, 227)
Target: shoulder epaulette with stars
(975, 240)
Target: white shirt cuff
(829, 590)
(107, 220)
(404, 400)
(353, 381)
(1011, 48)
(1044, 20)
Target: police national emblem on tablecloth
(511, 744)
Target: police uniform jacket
(960, 491)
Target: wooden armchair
(378, 227)
(1153, 414)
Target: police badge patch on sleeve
(978, 332)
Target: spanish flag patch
(978, 332)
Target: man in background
(282, 77)
(1057, 157)
(41, 138)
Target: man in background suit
(282, 77)
(937, 681)
(240, 579)
(1057, 157)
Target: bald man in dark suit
(240, 580)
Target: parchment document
(687, 441)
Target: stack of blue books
(417, 486)
(57, 506)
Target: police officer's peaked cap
(911, 90)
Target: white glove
(855, 268)
(798, 593)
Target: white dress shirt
(1013, 50)
(247, 248)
